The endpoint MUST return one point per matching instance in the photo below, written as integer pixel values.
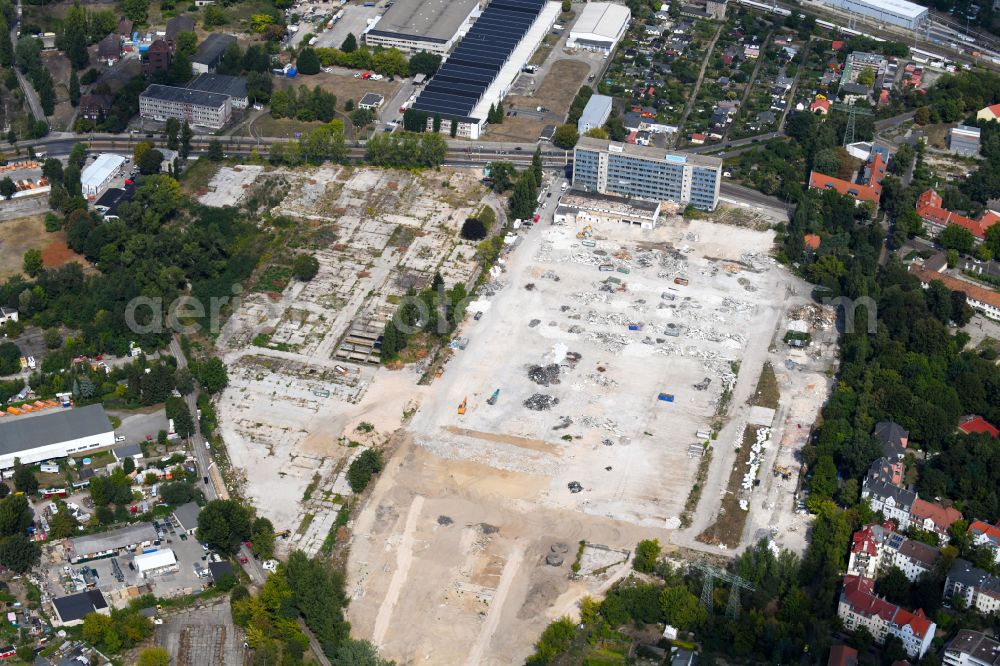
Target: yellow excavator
(461, 408)
(586, 232)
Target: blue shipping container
(666, 397)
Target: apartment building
(206, 109)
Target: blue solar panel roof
(471, 68)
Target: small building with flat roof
(371, 101)
(964, 140)
(577, 207)
(600, 27)
(124, 451)
(54, 434)
(158, 561)
(423, 25)
(210, 51)
(106, 544)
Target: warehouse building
(642, 172)
(99, 175)
(107, 544)
(206, 109)
(235, 87)
(423, 25)
(595, 114)
(210, 52)
(482, 68)
(600, 27)
(54, 435)
(895, 12)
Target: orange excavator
(461, 408)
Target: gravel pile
(540, 402)
(543, 375)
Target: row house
(933, 517)
(914, 558)
(877, 548)
(936, 218)
(978, 589)
(860, 607)
(892, 501)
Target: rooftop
(579, 199)
(604, 19)
(29, 432)
(222, 84)
(901, 7)
(185, 96)
(919, 552)
(98, 171)
(219, 569)
(127, 450)
(597, 110)
(122, 537)
(431, 20)
(975, 644)
(212, 48)
(972, 291)
(648, 152)
(77, 606)
(187, 515)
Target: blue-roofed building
(647, 173)
(595, 114)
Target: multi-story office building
(646, 173)
(206, 109)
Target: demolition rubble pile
(753, 464)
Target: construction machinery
(586, 232)
(784, 472)
(492, 400)
(461, 408)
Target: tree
(19, 553)
(350, 43)
(362, 117)
(186, 43)
(536, 165)
(10, 358)
(682, 609)
(150, 162)
(501, 176)
(74, 88)
(646, 555)
(63, 524)
(180, 70)
(824, 479)
(308, 62)
(215, 150)
(523, 198)
(223, 525)
(136, 9)
(178, 410)
(186, 135)
(565, 136)
(894, 585)
(15, 515)
(73, 40)
(212, 375)
(363, 468)
(358, 653)
(33, 261)
(424, 63)
(473, 229)
(24, 479)
(173, 128)
(154, 656)
(305, 267)
(566, 6)
(826, 161)
(176, 493)
(141, 149)
(262, 538)
(214, 15)
(7, 187)
(958, 238)
(922, 115)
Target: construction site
(600, 374)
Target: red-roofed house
(870, 190)
(842, 655)
(866, 550)
(936, 218)
(837, 45)
(697, 139)
(984, 534)
(989, 113)
(933, 517)
(981, 299)
(977, 424)
(820, 106)
(859, 607)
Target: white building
(7, 314)
(100, 173)
(157, 561)
(977, 588)
(600, 27)
(896, 12)
(206, 109)
(423, 25)
(37, 438)
(859, 607)
(587, 208)
(595, 114)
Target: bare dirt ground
(470, 504)
(556, 92)
(20, 235)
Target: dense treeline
(407, 150)
(161, 247)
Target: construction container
(681, 281)
(666, 397)
(606, 268)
